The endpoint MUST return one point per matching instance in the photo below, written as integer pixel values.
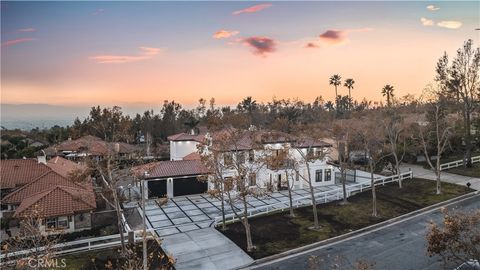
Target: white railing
(76, 246)
(320, 197)
(457, 163)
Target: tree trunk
(344, 185)
(397, 168)
(224, 226)
(314, 203)
(246, 225)
(290, 196)
(468, 140)
(119, 220)
(374, 194)
(439, 183)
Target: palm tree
(329, 106)
(336, 80)
(388, 91)
(349, 84)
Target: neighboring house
(180, 175)
(91, 146)
(46, 190)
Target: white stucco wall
(179, 149)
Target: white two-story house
(180, 175)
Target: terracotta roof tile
(186, 137)
(163, 169)
(18, 172)
(58, 201)
(64, 166)
(42, 183)
(192, 156)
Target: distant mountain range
(28, 116)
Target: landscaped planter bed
(278, 232)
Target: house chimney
(42, 159)
(117, 147)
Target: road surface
(399, 246)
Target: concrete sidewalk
(421, 172)
(204, 249)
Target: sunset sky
(142, 53)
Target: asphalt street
(400, 246)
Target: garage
(173, 178)
(188, 186)
(157, 188)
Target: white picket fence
(457, 163)
(76, 246)
(320, 197)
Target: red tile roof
(18, 172)
(94, 146)
(42, 183)
(64, 167)
(164, 169)
(187, 137)
(58, 201)
(192, 156)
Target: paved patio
(194, 212)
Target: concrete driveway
(194, 212)
(420, 172)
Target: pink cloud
(16, 41)
(311, 45)
(145, 54)
(224, 34)
(334, 36)
(252, 9)
(260, 45)
(26, 30)
(338, 37)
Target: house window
(297, 176)
(252, 179)
(62, 223)
(251, 156)
(227, 159)
(310, 152)
(240, 157)
(318, 175)
(328, 174)
(57, 223)
(51, 223)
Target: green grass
(278, 232)
(474, 171)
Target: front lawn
(474, 171)
(278, 232)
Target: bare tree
(372, 139)
(437, 132)
(341, 134)
(305, 147)
(284, 161)
(394, 127)
(239, 178)
(39, 243)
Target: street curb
(360, 231)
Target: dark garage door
(157, 188)
(187, 186)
